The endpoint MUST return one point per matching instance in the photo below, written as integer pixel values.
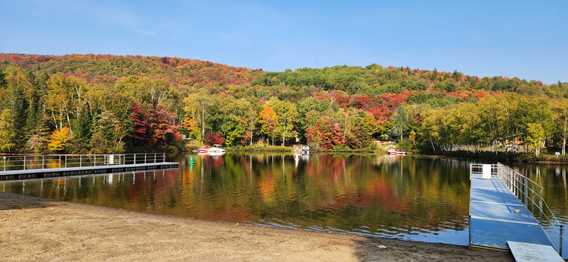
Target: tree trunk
(69, 123)
(202, 123)
(564, 136)
(251, 135)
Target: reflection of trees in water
(553, 178)
(339, 191)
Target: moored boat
(395, 152)
(215, 151)
(210, 151)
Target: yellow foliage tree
(7, 132)
(268, 120)
(59, 139)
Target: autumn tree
(199, 110)
(400, 122)
(59, 140)
(268, 121)
(19, 89)
(326, 134)
(286, 118)
(163, 128)
(536, 137)
(562, 127)
(238, 116)
(7, 131)
(362, 126)
(108, 135)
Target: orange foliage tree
(59, 140)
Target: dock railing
(32, 161)
(531, 194)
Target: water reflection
(554, 181)
(417, 199)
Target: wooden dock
(37, 167)
(498, 216)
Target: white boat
(394, 152)
(302, 150)
(215, 151)
(210, 151)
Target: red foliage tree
(390, 102)
(341, 98)
(363, 102)
(214, 138)
(139, 125)
(327, 133)
(154, 126)
(163, 126)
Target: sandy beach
(33, 229)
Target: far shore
(33, 229)
(488, 156)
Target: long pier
(22, 167)
(500, 218)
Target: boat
(216, 150)
(395, 152)
(302, 150)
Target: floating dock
(73, 171)
(36, 167)
(498, 217)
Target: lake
(422, 199)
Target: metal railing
(28, 162)
(531, 194)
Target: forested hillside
(102, 103)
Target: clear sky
(528, 39)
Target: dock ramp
(500, 214)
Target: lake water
(404, 198)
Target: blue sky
(528, 39)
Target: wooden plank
(527, 252)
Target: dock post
(80, 160)
(4, 163)
(65, 161)
(526, 187)
(24, 162)
(145, 156)
(561, 244)
(135, 159)
(42, 161)
(163, 157)
(469, 229)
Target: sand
(33, 229)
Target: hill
(145, 102)
(109, 68)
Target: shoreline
(38, 229)
(547, 160)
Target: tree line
(64, 114)
(117, 104)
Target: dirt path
(35, 230)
